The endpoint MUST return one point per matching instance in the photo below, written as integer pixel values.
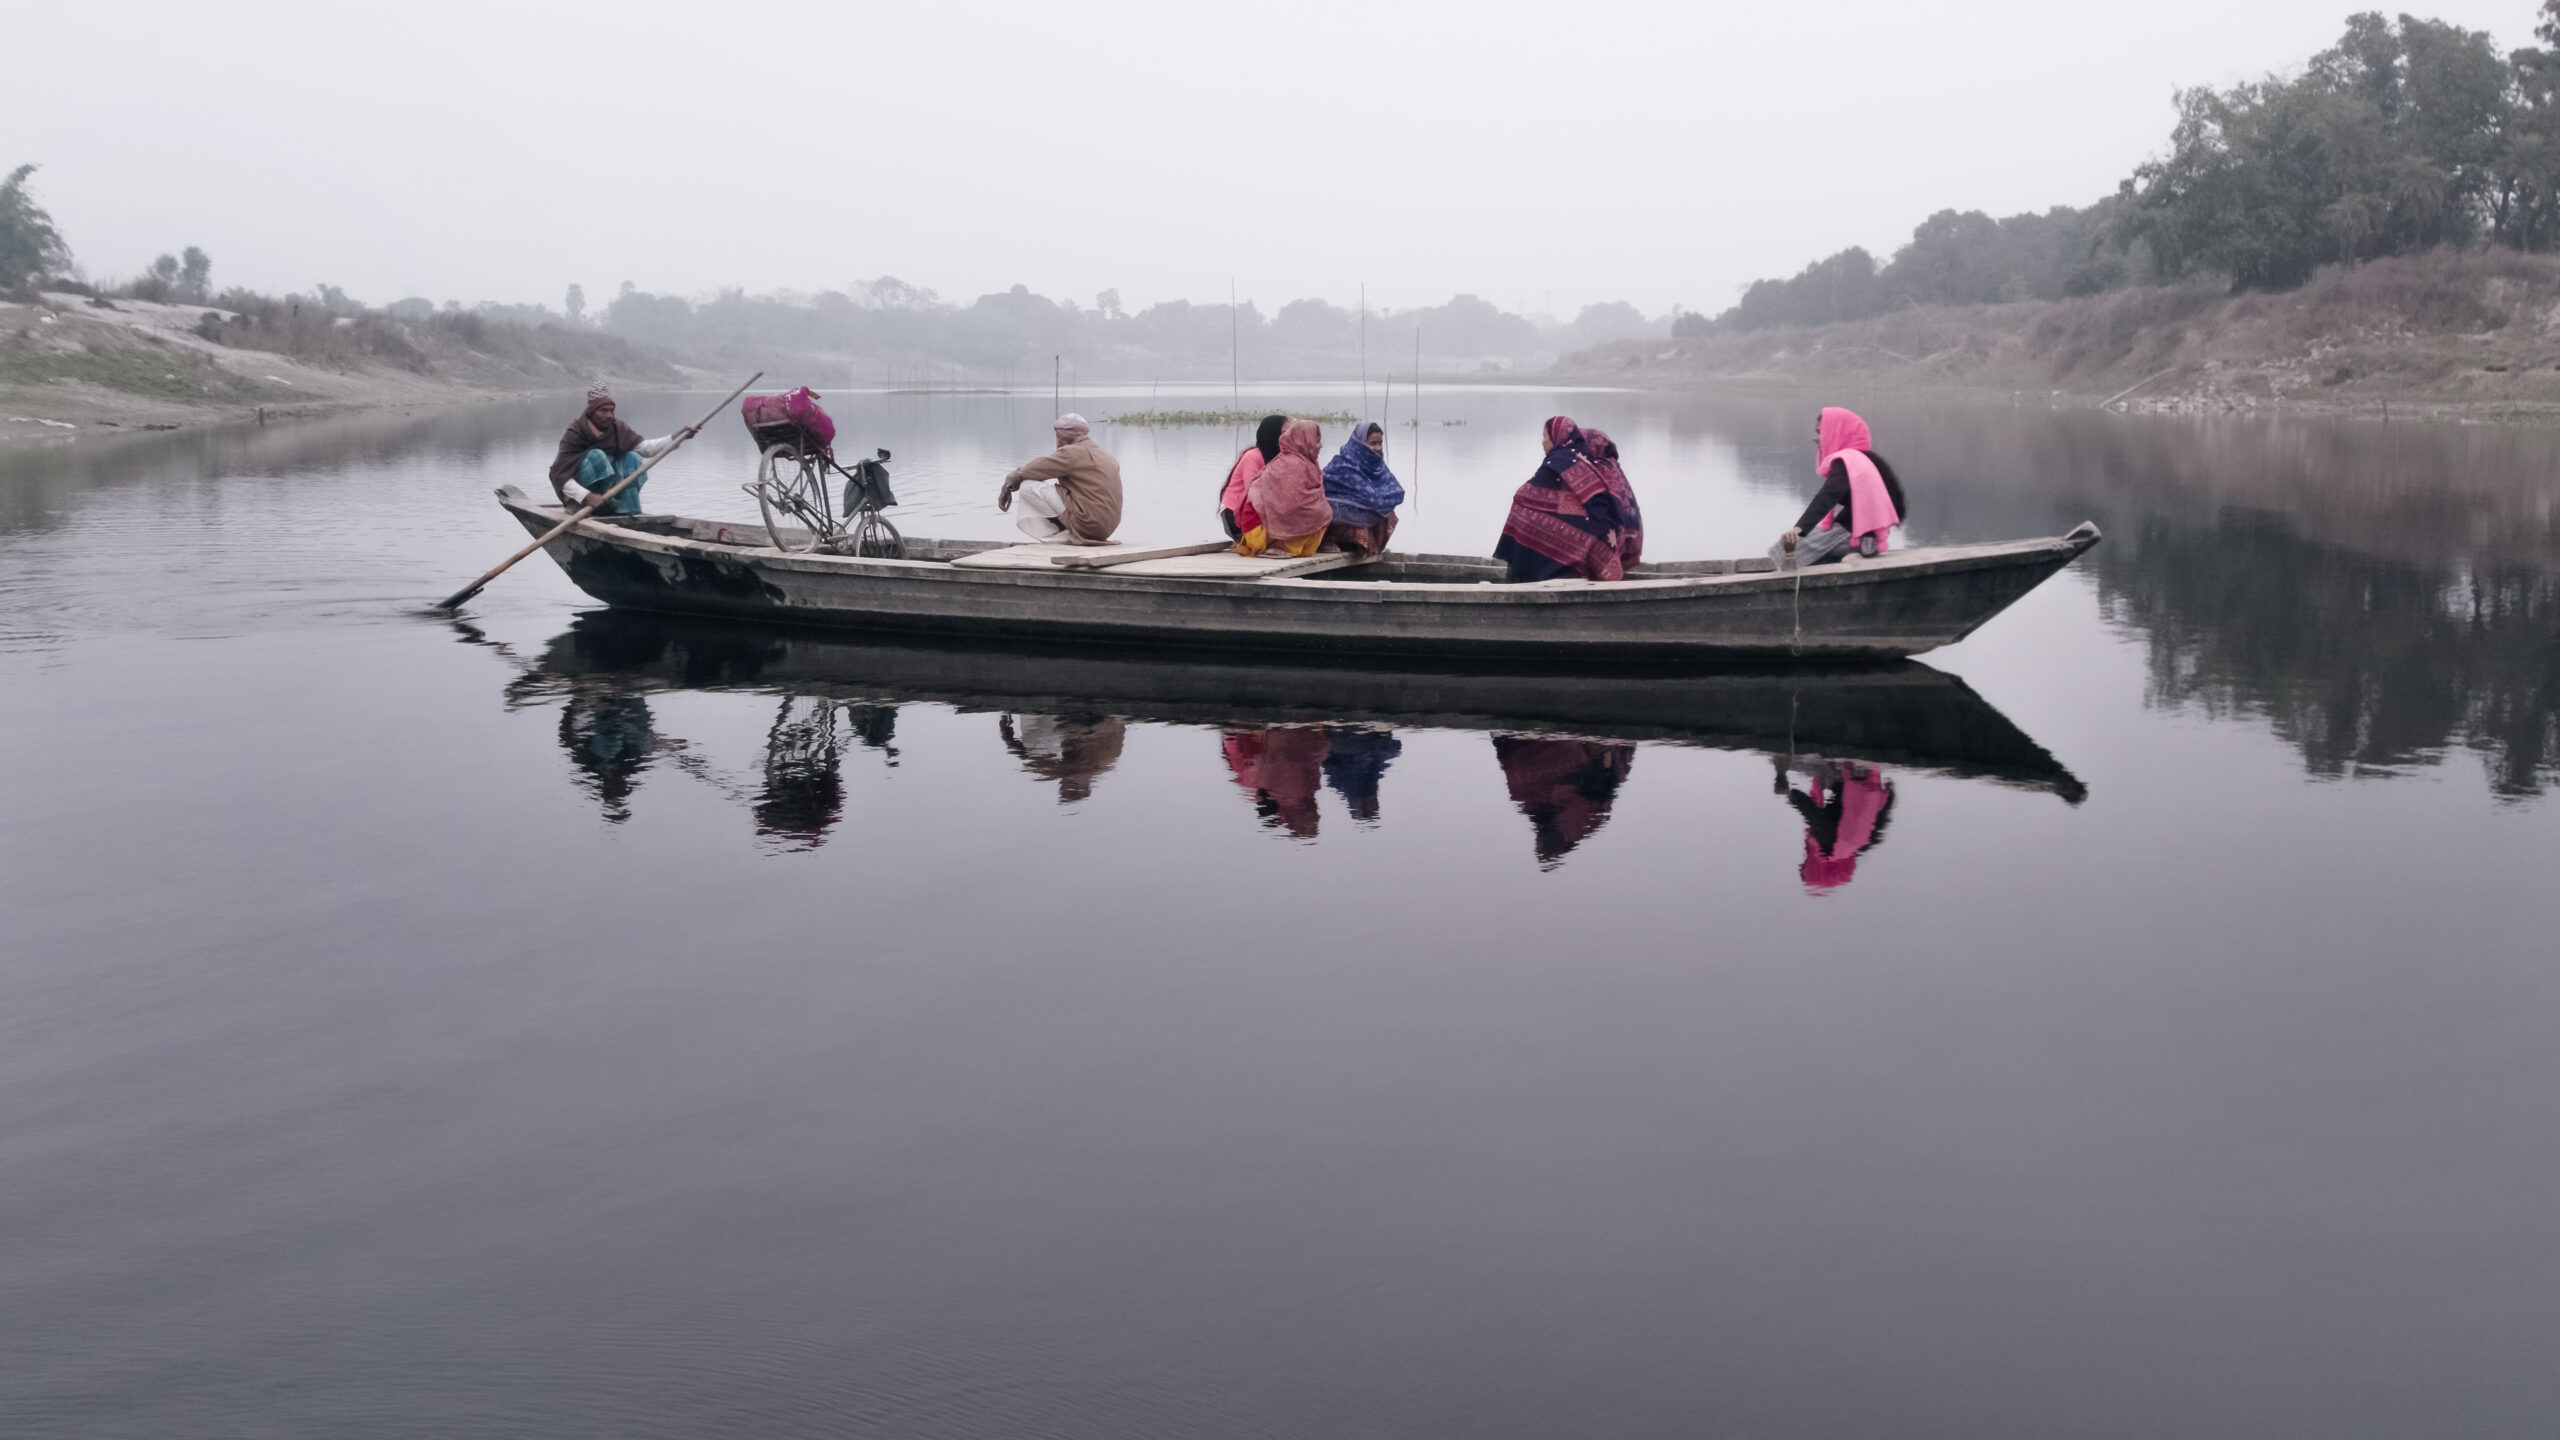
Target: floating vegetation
(1171, 418)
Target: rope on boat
(1795, 645)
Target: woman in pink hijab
(1860, 501)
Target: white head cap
(1072, 423)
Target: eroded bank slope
(2476, 332)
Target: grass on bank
(126, 362)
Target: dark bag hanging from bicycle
(866, 486)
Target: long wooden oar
(456, 599)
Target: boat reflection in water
(1565, 744)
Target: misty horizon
(1687, 156)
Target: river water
(2137, 1020)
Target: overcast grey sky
(1550, 154)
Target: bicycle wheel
(786, 483)
(875, 538)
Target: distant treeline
(893, 325)
(886, 325)
(1952, 259)
(2401, 137)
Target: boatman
(597, 450)
(1071, 495)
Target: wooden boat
(1896, 605)
(1899, 713)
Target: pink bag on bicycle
(795, 409)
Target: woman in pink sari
(1288, 501)
(1860, 501)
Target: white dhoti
(1037, 506)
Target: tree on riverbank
(2399, 138)
(1951, 259)
(172, 277)
(2403, 136)
(30, 248)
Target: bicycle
(791, 489)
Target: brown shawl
(587, 433)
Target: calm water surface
(2138, 1020)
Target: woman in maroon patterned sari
(1604, 456)
(1564, 520)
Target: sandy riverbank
(68, 366)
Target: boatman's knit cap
(599, 391)
(1072, 423)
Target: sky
(1543, 157)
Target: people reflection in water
(1070, 749)
(1282, 768)
(1565, 787)
(1845, 808)
(611, 737)
(1355, 763)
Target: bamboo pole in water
(455, 600)
(2129, 389)
(1417, 415)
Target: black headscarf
(1267, 439)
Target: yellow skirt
(1256, 540)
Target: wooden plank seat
(1204, 561)
(1046, 555)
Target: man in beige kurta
(1070, 495)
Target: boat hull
(1891, 607)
